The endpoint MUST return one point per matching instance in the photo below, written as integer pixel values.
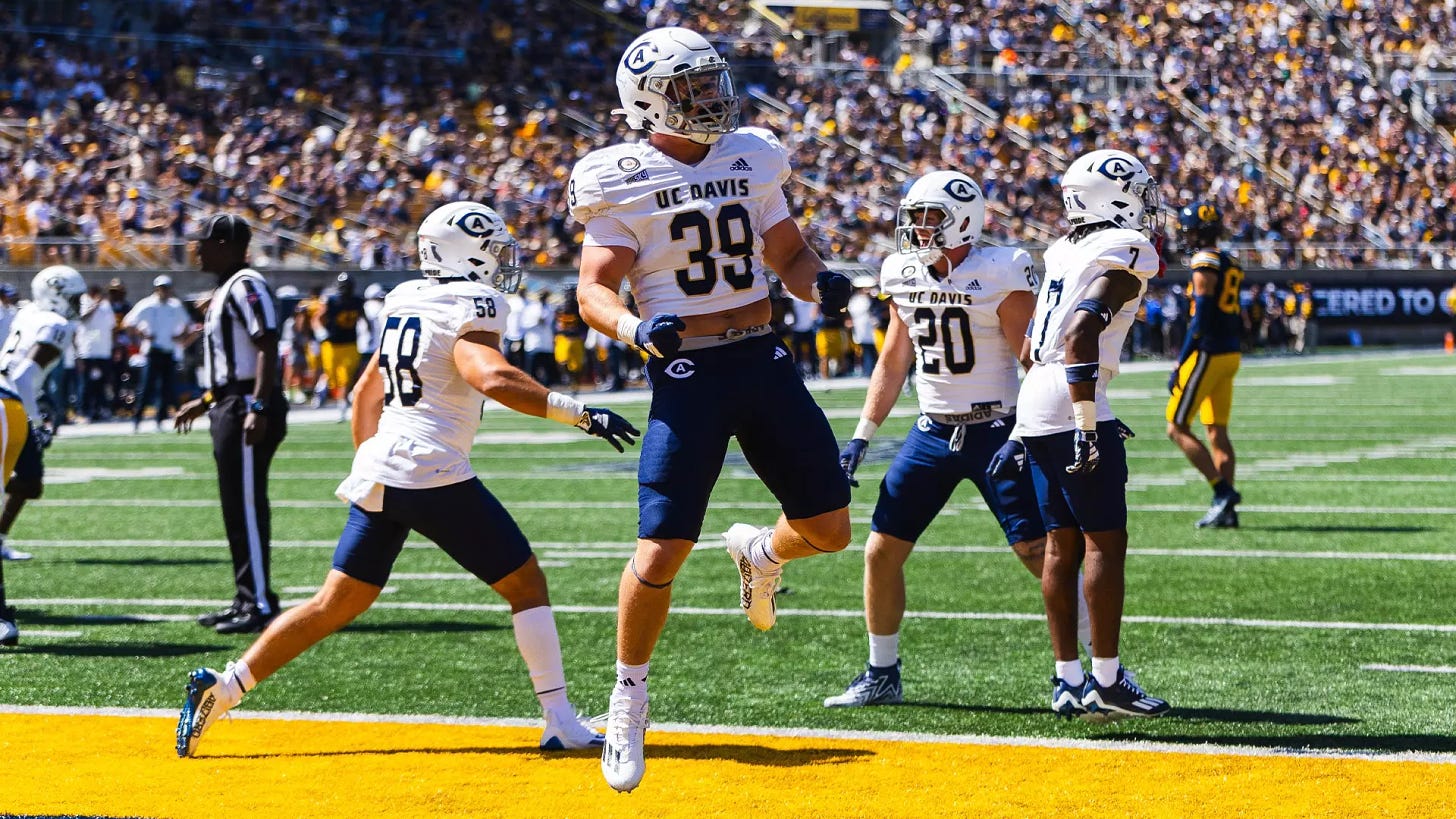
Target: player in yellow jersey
(1203, 381)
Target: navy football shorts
(1092, 502)
(923, 476)
(700, 399)
(463, 518)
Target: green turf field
(1261, 636)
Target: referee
(247, 411)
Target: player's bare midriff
(734, 318)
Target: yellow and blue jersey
(1220, 329)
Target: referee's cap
(224, 227)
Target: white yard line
(1052, 743)
(1234, 622)
(1413, 669)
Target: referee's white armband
(627, 329)
(563, 409)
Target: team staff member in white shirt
(249, 417)
(95, 336)
(161, 320)
(416, 411)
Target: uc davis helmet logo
(1118, 168)
(641, 59)
(961, 190)
(476, 223)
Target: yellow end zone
(256, 768)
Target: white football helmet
(1111, 186)
(469, 240)
(58, 288)
(962, 214)
(672, 81)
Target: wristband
(866, 429)
(627, 326)
(208, 398)
(563, 409)
(1084, 415)
(1081, 372)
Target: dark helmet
(1200, 225)
(346, 284)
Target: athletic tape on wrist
(627, 326)
(865, 429)
(563, 409)
(1084, 415)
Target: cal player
(35, 345)
(38, 338)
(416, 411)
(337, 325)
(692, 218)
(1203, 380)
(1066, 430)
(957, 309)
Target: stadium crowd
(336, 131)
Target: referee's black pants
(242, 480)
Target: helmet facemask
(700, 102)
(507, 258)
(920, 229)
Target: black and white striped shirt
(242, 310)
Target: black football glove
(1173, 380)
(832, 291)
(1123, 430)
(1087, 456)
(607, 425)
(1008, 461)
(43, 435)
(851, 456)
(659, 335)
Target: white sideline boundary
(705, 611)
(985, 740)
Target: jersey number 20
(398, 346)
(956, 362)
(734, 237)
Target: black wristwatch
(255, 406)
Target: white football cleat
(207, 700)
(568, 733)
(622, 762)
(9, 634)
(7, 553)
(756, 587)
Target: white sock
(1084, 618)
(1070, 672)
(761, 553)
(541, 649)
(243, 675)
(230, 688)
(884, 649)
(1104, 669)
(632, 679)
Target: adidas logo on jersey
(974, 285)
(637, 177)
(780, 352)
(740, 164)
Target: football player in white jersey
(416, 410)
(957, 309)
(38, 337)
(692, 218)
(1065, 428)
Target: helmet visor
(700, 100)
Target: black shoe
(213, 618)
(247, 621)
(1221, 512)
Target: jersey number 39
(398, 346)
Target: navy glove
(43, 435)
(659, 335)
(851, 456)
(1008, 461)
(832, 291)
(607, 425)
(1087, 456)
(1123, 430)
(1173, 380)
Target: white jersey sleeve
(1071, 268)
(696, 230)
(966, 369)
(430, 413)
